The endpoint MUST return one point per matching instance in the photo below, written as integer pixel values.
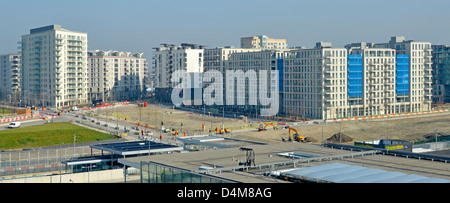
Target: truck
(14, 125)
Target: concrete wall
(95, 176)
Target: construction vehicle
(222, 131)
(297, 137)
(261, 128)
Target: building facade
(219, 59)
(170, 58)
(419, 58)
(54, 67)
(315, 83)
(364, 79)
(263, 42)
(244, 79)
(441, 74)
(116, 76)
(10, 78)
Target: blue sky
(140, 25)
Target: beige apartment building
(263, 42)
(54, 67)
(219, 59)
(169, 58)
(315, 82)
(116, 76)
(378, 82)
(418, 60)
(360, 80)
(10, 78)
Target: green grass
(51, 134)
(5, 111)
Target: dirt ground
(172, 118)
(403, 129)
(410, 128)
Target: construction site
(414, 128)
(193, 146)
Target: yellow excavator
(297, 137)
(222, 131)
(264, 126)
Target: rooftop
(49, 27)
(273, 157)
(136, 148)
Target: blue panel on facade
(354, 76)
(280, 67)
(402, 75)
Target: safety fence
(391, 115)
(41, 160)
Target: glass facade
(157, 173)
(402, 75)
(354, 73)
(280, 68)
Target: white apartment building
(365, 80)
(54, 67)
(116, 76)
(263, 42)
(170, 58)
(420, 74)
(419, 67)
(10, 78)
(377, 81)
(218, 59)
(315, 82)
(246, 87)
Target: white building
(116, 76)
(368, 79)
(418, 59)
(315, 82)
(170, 58)
(263, 42)
(377, 81)
(54, 67)
(10, 78)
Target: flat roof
(85, 161)
(268, 157)
(217, 142)
(136, 147)
(346, 173)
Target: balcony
(327, 90)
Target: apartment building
(54, 67)
(441, 73)
(363, 79)
(374, 71)
(244, 86)
(263, 42)
(315, 82)
(10, 78)
(419, 58)
(116, 76)
(218, 59)
(170, 58)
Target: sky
(140, 25)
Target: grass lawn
(45, 135)
(5, 111)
